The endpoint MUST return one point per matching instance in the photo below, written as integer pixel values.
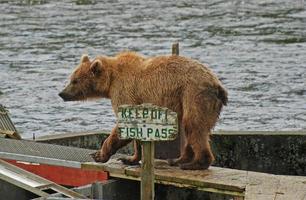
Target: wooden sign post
(147, 123)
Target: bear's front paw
(130, 160)
(194, 166)
(98, 157)
(172, 162)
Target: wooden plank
(291, 188)
(224, 181)
(147, 171)
(10, 134)
(261, 186)
(214, 177)
(112, 167)
(275, 187)
(239, 183)
(6, 124)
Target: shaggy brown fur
(179, 83)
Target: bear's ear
(85, 58)
(96, 67)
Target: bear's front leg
(133, 160)
(109, 147)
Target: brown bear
(181, 84)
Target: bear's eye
(75, 81)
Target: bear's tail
(222, 95)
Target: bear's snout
(65, 96)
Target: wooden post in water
(147, 123)
(175, 49)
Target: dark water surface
(257, 48)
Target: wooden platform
(238, 183)
(277, 152)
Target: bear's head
(89, 80)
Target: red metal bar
(67, 176)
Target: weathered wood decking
(238, 183)
(273, 152)
(277, 152)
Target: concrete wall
(88, 140)
(282, 153)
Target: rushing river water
(257, 48)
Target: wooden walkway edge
(238, 183)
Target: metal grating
(49, 151)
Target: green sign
(147, 122)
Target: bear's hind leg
(187, 152)
(186, 156)
(201, 111)
(203, 156)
